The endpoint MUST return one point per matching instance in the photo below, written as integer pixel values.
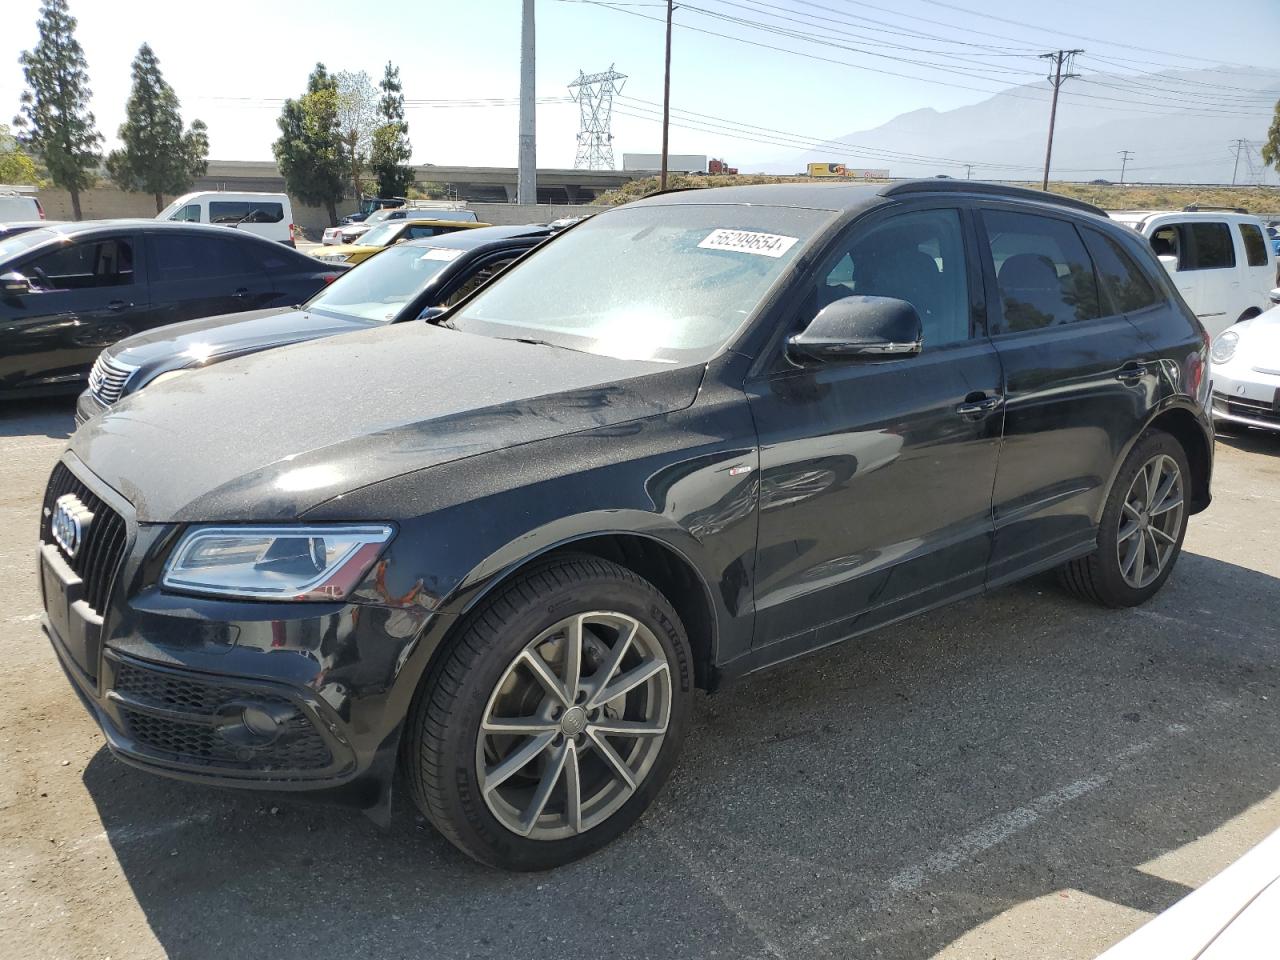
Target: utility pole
(968, 169)
(527, 176)
(666, 98)
(1239, 145)
(1125, 156)
(1061, 59)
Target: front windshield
(379, 288)
(669, 283)
(382, 234)
(22, 242)
(378, 215)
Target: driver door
(876, 476)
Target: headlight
(1224, 347)
(274, 563)
(333, 258)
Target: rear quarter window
(1255, 245)
(1125, 286)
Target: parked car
(1234, 916)
(388, 233)
(19, 205)
(399, 286)
(688, 438)
(1246, 373)
(440, 211)
(1274, 235)
(14, 227)
(1220, 260)
(369, 204)
(67, 291)
(267, 215)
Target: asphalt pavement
(1019, 775)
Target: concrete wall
(109, 203)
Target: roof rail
(936, 185)
(1203, 207)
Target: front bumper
(273, 696)
(88, 406)
(1251, 398)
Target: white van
(1220, 259)
(19, 203)
(268, 215)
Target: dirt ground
(1020, 775)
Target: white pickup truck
(1220, 259)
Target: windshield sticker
(440, 253)
(744, 241)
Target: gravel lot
(1019, 775)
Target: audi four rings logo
(69, 523)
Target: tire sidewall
(482, 833)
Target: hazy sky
(232, 62)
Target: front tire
(554, 717)
(1143, 525)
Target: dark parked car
(68, 290)
(397, 285)
(691, 437)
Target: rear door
(84, 296)
(1259, 269)
(196, 275)
(875, 476)
(1207, 260)
(1077, 383)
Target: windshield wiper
(542, 343)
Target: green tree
(157, 158)
(54, 118)
(1271, 149)
(309, 151)
(357, 120)
(389, 158)
(15, 165)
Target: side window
(261, 211)
(190, 257)
(1043, 273)
(83, 266)
(188, 214)
(1124, 285)
(478, 280)
(417, 231)
(1255, 246)
(228, 211)
(917, 257)
(1165, 242)
(1206, 245)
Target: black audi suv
(684, 440)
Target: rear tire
(1142, 528)
(526, 756)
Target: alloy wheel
(574, 725)
(1150, 521)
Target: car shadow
(882, 798)
(1251, 440)
(44, 416)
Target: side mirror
(1275, 295)
(14, 284)
(1169, 262)
(860, 328)
(431, 314)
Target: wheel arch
(1184, 426)
(656, 558)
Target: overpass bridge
(481, 184)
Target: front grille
(98, 558)
(107, 378)
(198, 741)
(1248, 407)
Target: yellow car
(387, 233)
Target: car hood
(196, 341)
(271, 435)
(334, 249)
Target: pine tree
(391, 151)
(157, 158)
(54, 118)
(309, 151)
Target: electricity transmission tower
(1061, 74)
(594, 93)
(1244, 146)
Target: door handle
(1132, 371)
(978, 408)
(115, 306)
